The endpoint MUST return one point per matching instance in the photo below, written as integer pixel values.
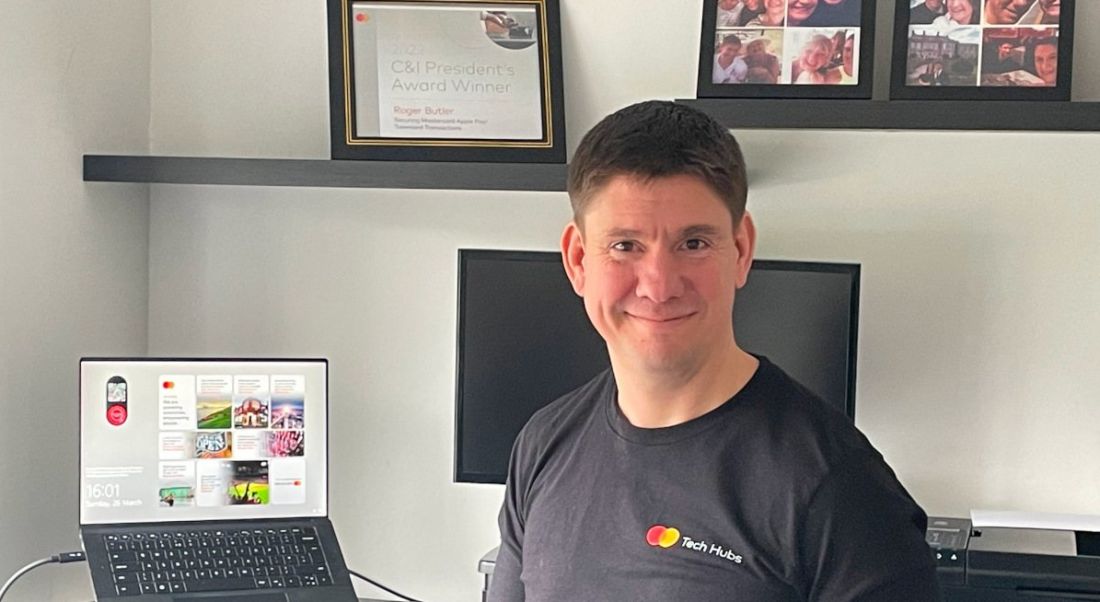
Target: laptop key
(128, 589)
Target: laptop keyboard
(206, 560)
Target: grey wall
(74, 263)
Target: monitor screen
(202, 439)
(524, 340)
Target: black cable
(382, 587)
(62, 558)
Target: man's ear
(744, 239)
(572, 256)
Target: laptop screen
(166, 440)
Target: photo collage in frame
(983, 49)
(786, 48)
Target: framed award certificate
(456, 80)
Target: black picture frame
(428, 123)
(937, 67)
(786, 36)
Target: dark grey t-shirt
(772, 496)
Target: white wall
(74, 79)
(977, 344)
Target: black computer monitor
(524, 340)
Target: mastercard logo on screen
(168, 384)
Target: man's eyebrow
(688, 232)
(622, 233)
(701, 230)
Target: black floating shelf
(325, 173)
(902, 114)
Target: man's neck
(650, 400)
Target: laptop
(207, 480)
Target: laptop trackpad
(234, 597)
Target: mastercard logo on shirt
(661, 536)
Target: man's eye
(625, 246)
(695, 244)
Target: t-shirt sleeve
(862, 538)
(507, 585)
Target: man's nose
(659, 277)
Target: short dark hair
(732, 40)
(655, 139)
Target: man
(1000, 61)
(750, 9)
(729, 13)
(847, 74)
(691, 470)
(729, 67)
(773, 15)
(925, 13)
(1043, 12)
(1006, 12)
(798, 11)
(835, 13)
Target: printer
(993, 564)
(1003, 563)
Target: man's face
(657, 264)
(1003, 51)
(728, 51)
(1046, 63)
(1006, 12)
(800, 10)
(934, 5)
(1051, 8)
(753, 5)
(727, 4)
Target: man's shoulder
(922, 15)
(790, 412)
(569, 409)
